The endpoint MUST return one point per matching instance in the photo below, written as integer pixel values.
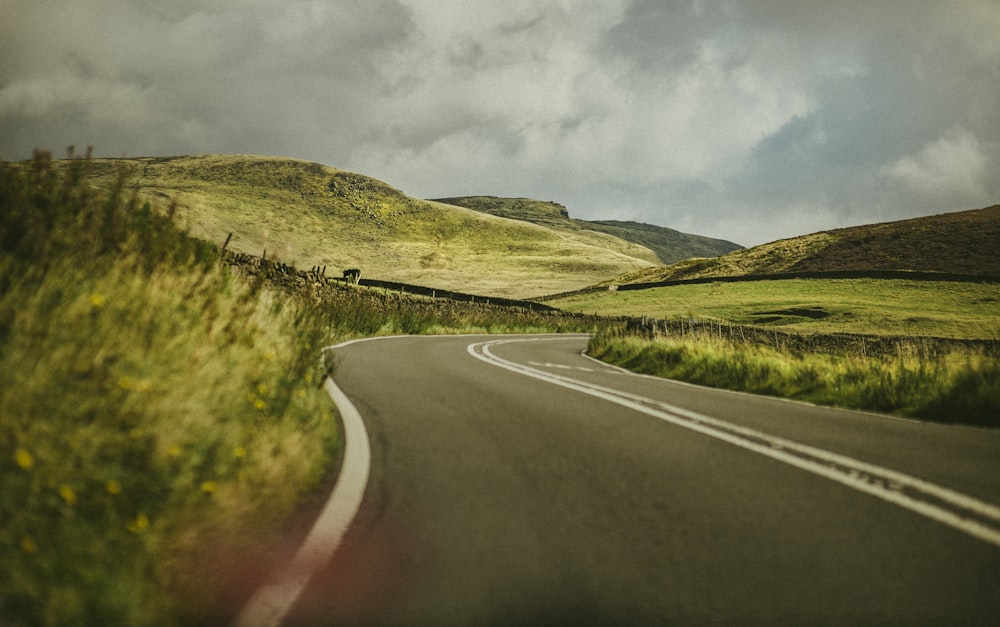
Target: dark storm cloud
(845, 111)
(748, 121)
(147, 77)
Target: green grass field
(958, 385)
(308, 214)
(867, 306)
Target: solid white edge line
(272, 601)
(775, 449)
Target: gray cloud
(748, 121)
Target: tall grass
(158, 417)
(957, 387)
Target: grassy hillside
(670, 245)
(866, 306)
(158, 416)
(308, 214)
(720, 333)
(667, 245)
(956, 243)
(162, 432)
(964, 242)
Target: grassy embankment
(160, 415)
(960, 385)
(157, 417)
(309, 214)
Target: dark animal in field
(352, 275)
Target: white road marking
(560, 366)
(964, 513)
(272, 601)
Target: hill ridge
(667, 245)
(309, 214)
(954, 243)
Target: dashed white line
(560, 366)
(964, 513)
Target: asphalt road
(514, 481)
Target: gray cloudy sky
(748, 121)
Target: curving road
(512, 480)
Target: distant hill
(668, 245)
(964, 242)
(308, 214)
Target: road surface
(513, 480)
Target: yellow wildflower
(140, 524)
(262, 389)
(260, 404)
(28, 545)
(173, 450)
(113, 487)
(67, 494)
(23, 459)
(209, 487)
(128, 383)
(239, 452)
(97, 300)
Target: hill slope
(668, 245)
(963, 242)
(308, 214)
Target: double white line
(272, 602)
(964, 513)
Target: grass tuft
(962, 386)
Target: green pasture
(868, 306)
(307, 214)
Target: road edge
(272, 602)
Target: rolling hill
(308, 214)
(668, 245)
(963, 242)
